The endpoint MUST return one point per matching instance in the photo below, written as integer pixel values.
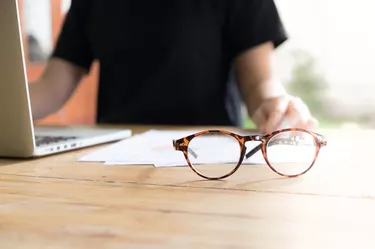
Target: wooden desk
(55, 202)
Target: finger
(275, 120)
(277, 113)
(259, 119)
(298, 113)
(312, 124)
(306, 122)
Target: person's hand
(272, 112)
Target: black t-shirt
(166, 61)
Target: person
(169, 62)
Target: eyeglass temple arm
(259, 146)
(321, 142)
(192, 153)
(253, 151)
(178, 146)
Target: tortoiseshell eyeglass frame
(182, 144)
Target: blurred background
(328, 60)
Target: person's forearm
(256, 77)
(54, 88)
(260, 91)
(43, 100)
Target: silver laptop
(18, 136)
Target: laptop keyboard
(45, 140)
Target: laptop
(18, 136)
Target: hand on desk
(272, 112)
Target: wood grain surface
(56, 202)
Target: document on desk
(154, 147)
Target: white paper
(155, 147)
(145, 148)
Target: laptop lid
(16, 129)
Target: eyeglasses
(217, 154)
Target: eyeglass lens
(292, 152)
(214, 154)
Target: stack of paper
(155, 147)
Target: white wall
(65, 4)
(37, 16)
(340, 34)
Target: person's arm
(69, 62)
(256, 77)
(54, 88)
(254, 29)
